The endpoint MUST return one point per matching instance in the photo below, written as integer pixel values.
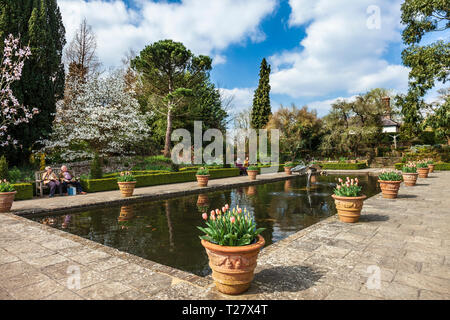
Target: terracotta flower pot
(287, 170)
(202, 180)
(233, 267)
(423, 172)
(349, 208)
(410, 179)
(252, 174)
(389, 189)
(431, 167)
(6, 201)
(126, 188)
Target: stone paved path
(408, 239)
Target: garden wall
(342, 165)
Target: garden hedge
(440, 166)
(342, 166)
(146, 180)
(24, 191)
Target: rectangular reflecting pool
(166, 231)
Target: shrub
(3, 168)
(348, 188)
(24, 191)
(228, 227)
(342, 166)
(440, 166)
(422, 164)
(390, 176)
(96, 168)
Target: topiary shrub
(96, 168)
(3, 169)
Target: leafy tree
(429, 63)
(351, 127)
(299, 130)
(40, 26)
(261, 110)
(103, 118)
(439, 116)
(168, 72)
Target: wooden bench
(40, 186)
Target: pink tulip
(224, 209)
(239, 210)
(213, 217)
(212, 211)
(205, 216)
(227, 206)
(232, 219)
(339, 187)
(340, 180)
(218, 211)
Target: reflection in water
(166, 231)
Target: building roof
(385, 122)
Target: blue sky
(319, 50)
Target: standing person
(67, 179)
(52, 180)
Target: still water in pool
(165, 231)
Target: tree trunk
(168, 133)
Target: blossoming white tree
(103, 117)
(12, 112)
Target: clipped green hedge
(342, 166)
(24, 191)
(146, 180)
(440, 166)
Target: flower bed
(24, 191)
(342, 166)
(146, 180)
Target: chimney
(387, 107)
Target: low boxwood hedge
(24, 191)
(342, 165)
(439, 166)
(146, 180)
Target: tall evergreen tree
(39, 25)
(261, 110)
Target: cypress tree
(39, 25)
(261, 110)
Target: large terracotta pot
(389, 189)
(252, 174)
(126, 188)
(431, 167)
(349, 208)
(288, 171)
(410, 179)
(202, 180)
(6, 201)
(423, 172)
(233, 267)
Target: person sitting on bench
(67, 179)
(51, 179)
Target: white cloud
(205, 27)
(340, 53)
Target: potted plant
(232, 243)
(287, 167)
(431, 165)
(390, 183)
(202, 176)
(126, 182)
(409, 172)
(349, 200)
(422, 169)
(7, 194)
(252, 172)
